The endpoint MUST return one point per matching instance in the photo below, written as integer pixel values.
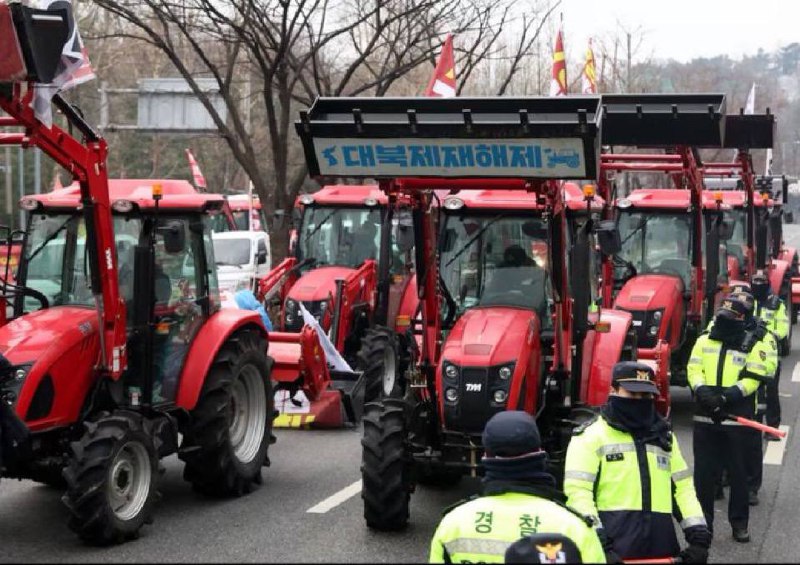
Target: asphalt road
(319, 471)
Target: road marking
(775, 449)
(336, 499)
(796, 373)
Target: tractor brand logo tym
(474, 387)
(531, 158)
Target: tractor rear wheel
(386, 485)
(112, 479)
(226, 444)
(379, 358)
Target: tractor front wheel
(226, 444)
(386, 485)
(380, 360)
(111, 479)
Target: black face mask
(634, 414)
(728, 330)
(760, 291)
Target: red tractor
(484, 348)
(339, 274)
(117, 346)
(669, 270)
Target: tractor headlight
(11, 383)
(451, 395)
(450, 371)
(506, 372)
(500, 396)
(655, 322)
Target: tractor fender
(603, 351)
(796, 290)
(205, 345)
(777, 275)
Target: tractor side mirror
(788, 217)
(535, 230)
(405, 238)
(174, 236)
(608, 237)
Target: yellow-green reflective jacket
(480, 531)
(633, 488)
(773, 313)
(714, 365)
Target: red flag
(589, 75)
(558, 84)
(443, 81)
(197, 174)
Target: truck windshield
(241, 223)
(496, 260)
(655, 242)
(232, 251)
(340, 236)
(57, 262)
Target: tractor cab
(55, 270)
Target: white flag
(332, 356)
(750, 105)
(74, 68)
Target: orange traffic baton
(757, 426)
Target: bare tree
(269, 57)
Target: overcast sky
(685, 29)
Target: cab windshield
(654, 242)
(340, 236)
(57, 259)
(241, 223)
(738, 241)
(496, 260)
(232, 252)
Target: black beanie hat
(510, 434)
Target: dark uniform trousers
(717, 447)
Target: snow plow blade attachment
(307, 393)
(391, 138)
(664, 120)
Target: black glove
(694, 554)
(698, 535)
(611, 555)
(732, 394)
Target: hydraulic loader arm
(85, 160)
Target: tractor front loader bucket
(307, 393)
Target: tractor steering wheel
(36, 295)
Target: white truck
(242, 257)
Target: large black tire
(385, 471)
(226, 443)
(112, 479)
(379, 359)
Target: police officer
(772, 311)
(625, 469)
(724, 372)
(757, 330)
(519, 499)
